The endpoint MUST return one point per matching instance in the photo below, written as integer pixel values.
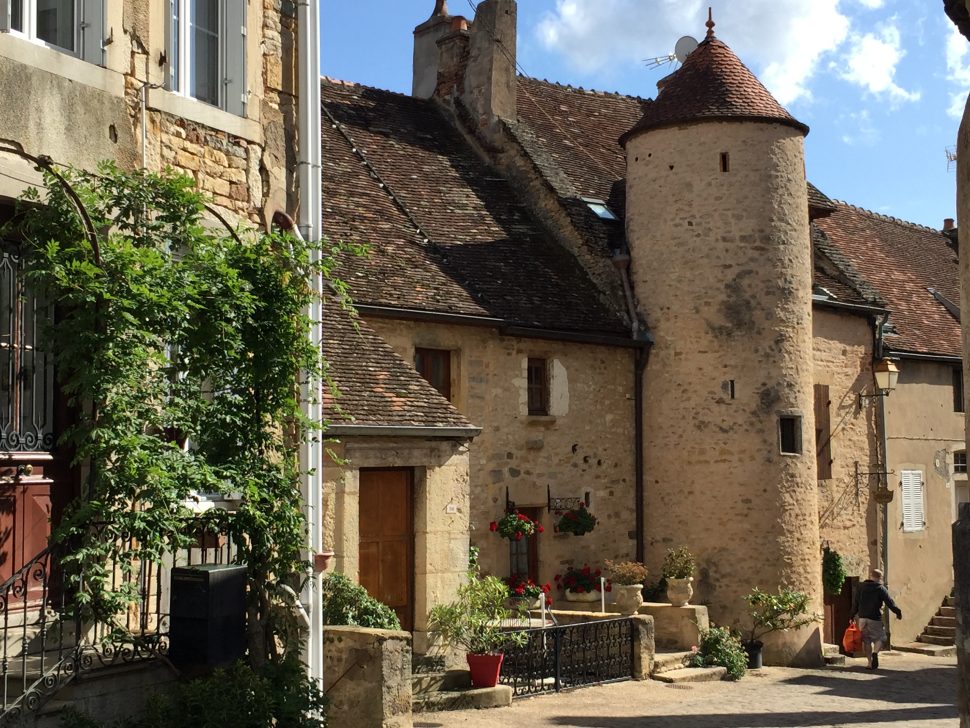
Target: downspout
(884, 446)
(621, 260)
(310, 190)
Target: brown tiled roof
(836, 274)
(957, 10)
(901, 261)
(455, 237)
(713, 84)
(819, 203)
(376, 386)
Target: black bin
(208, 616)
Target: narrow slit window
(538, 383)
(958, 405)
(790, 432)
(960, 462)
(725, 162)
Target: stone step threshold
(478, 698)
(667, 661)
(923, 648)
(691, 675)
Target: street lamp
(885, 374)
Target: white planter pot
(571, 596)
(628, 597)
(679, 591)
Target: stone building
(644, 305)
(212, 90)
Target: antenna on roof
(951, 158)
(682, 48)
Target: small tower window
(790, 434)
(725, 162)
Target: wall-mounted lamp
(885, 374)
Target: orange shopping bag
(852, 639)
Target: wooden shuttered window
(538, 386)
(435, 366)
(958, 405)
(823, 432)
(911, 492)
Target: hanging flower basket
(515, 527)
(577, 521)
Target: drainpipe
(621, 260)
(310, 190)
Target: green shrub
(719, 646)
(347, 603)
(278, 695)
(833, 571)
(678, 564)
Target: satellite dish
(684, 47)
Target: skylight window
(600, 209)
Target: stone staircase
(435, 688)
(669, 667)
(939, 636)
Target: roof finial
(440, 8)
(710, 23)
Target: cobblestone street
(909, 691)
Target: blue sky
(881, 83)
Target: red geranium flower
(493, 526)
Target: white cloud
(872, 60)
(872, 4)
(958, 71)
(863, 131)
(781, 40)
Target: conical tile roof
(712, 85)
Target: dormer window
(599, 208)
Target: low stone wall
(677, 628)
(367, 677)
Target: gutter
(853, 307)
(403, 431)
(941, 358)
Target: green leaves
(788, 609)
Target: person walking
(867, 610)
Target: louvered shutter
(911, 487)
(234, 57)
(823, 434)
(92, 31)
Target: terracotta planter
(484, 669)
(571, 596)
(679, 591)
(628, 598)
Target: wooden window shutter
(823, 432)
(92, 31)
(234, 89)
(911, 487)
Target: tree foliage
(180, 348)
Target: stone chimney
(426, 36)
(490, 83)
(948, 224)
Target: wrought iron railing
(569, 656)
(45, 642)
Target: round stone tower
(718, 230)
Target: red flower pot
(484, 669)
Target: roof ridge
(887, 218)
(356, 84)
(580, 89)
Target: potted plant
(577, 521)
(788, 609)
(515, 526)
(627, 578)
(524, 594)
(473, 622)
(581, 585)
(678, 572)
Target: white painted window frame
(912, 501)
(88, 14)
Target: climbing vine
(833, 571)
(180, 348)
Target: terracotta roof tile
(957, 10)
(376, 386)
(901, 260)
(713, 84)
(456, 238)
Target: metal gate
(570, 656)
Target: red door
(387, 540)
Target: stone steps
(423, 683)
(944, 622)
(667, 661)
(948, 612)
(834, 660)
(936, 631)
(498, 697)
(691, 675)
(923, 648)
(932, 639)
(829, 650)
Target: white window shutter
(911, 487)
(234, 57)
(92, 31)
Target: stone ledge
(922, 648)
(692, 674)
(202, 113)
(498, 697)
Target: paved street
(909, 691)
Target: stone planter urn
(679, 591)
(522, 604)
(628, 597)
(590, 596)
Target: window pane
(205, 51)
(17, 15)
(55, 22)
(175, 46)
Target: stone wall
(441, 513)
(961, 571)
(730, 310)
(367, 677)
(843, 361)
(586, 446)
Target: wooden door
(387, 539)
(838, 612)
